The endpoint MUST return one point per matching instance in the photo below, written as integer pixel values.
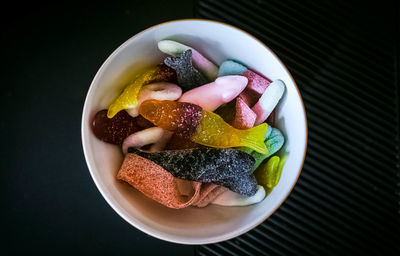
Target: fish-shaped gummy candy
(203, 127)
(129, 97)
(230, 168)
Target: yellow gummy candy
(213, 131)
(190, 121)
(128, 98)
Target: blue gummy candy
(230, 67)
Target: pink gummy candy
(155, 182)
(208, 193)
(158, 184)
(211, 96)
(244, 117)
(255, 88)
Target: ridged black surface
(344, 58)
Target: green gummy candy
(273, 139)
(269, 174)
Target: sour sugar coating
(211, 96)
(129, 97)
(188, 76)
(273, 140)
(255, 88)
(209, 69)
(244, 116)
(268, 101)
(203, 127)
(113, 130)
(230, 67)
(158, 91)
(229, 168)
(230, 198)
(157, 183)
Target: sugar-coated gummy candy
(209, 192)
(230, 198)
(268, 100)
(128, 98)
(209, 97)
(188, 76)
(113, 130)
(229, 168)
(244, 116)
(156, 183)
(142, 138)
(255, 88)
(212, 95)
(273, 140)
(203, 127)
(269, 173)
(158, 91)
(209, 69)
(231, 67)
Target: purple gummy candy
(113, 130)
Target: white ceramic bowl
(211, 224)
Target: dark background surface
(342, 55)
(52, 52)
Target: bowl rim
(168, 239)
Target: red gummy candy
(113, 130)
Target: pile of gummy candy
(195, 134)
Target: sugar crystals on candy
(113, 130)
(156, 183)
(188, 76)
(230, 168)
(128, 98)
(212, 95)
(209, 69)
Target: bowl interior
(218, 42)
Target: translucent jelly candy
(128, 98)
(269, 174)
(157, 91)
(113, 130)
(230, 168)
(200, 126)
(230, 198)
(209, 69)
(230, 67)
(273, 140)
(188, 76)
